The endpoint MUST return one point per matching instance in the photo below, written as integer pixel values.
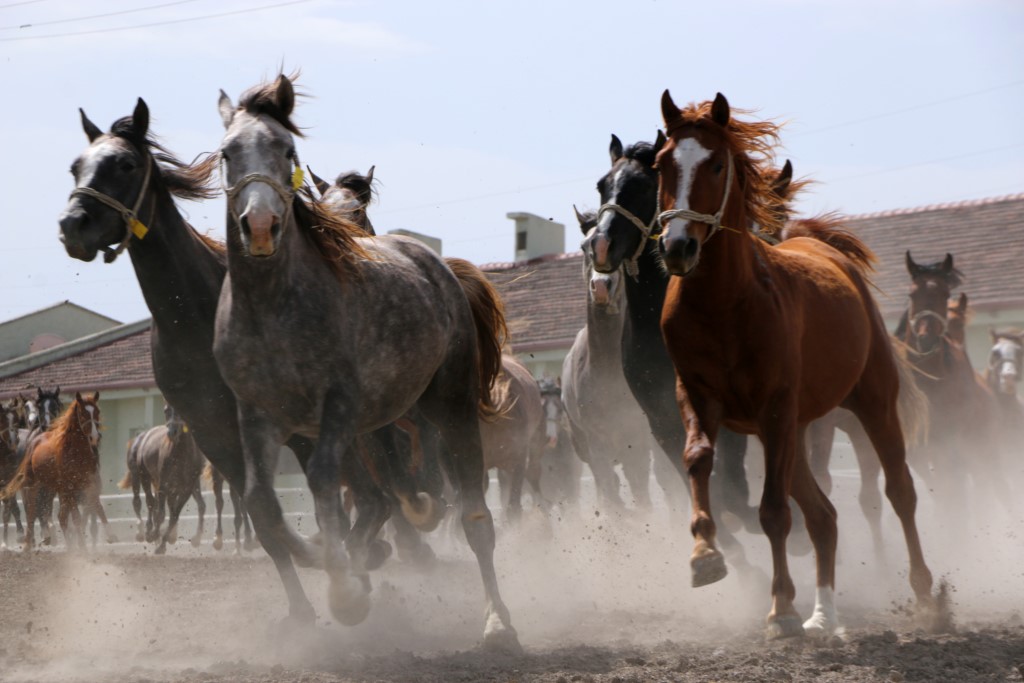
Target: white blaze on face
(688, 155)
(94, 436)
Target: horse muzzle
(680, 254)
(72, 224)
(261, 234)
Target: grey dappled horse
(165, 463)
(327, 334)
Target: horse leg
(17, 517)
(44, 500)
(158, 517)
(28, 497)
(238, 506)
(870, 496)
(821, 434)
(781, 439)
(422, 509)
(77, 519)
(533, 472)
(260, 445)
(365, 549)
(881, 423)
(136, 480)
(514, 482)
(62, 519)
(410, 543)
(820, 518)
(636, 466)
(729, 478)
(218, 503)
(461, 431)
(197, 494)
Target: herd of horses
(712, 315)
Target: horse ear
(720, 110)
(226, 109)
(140, 118)
(581, 220)
(912, 267)
(785, 177)
(947, 264)
(78, 396)
(39, 390)
(659, 141)
(321, 185)
(285, 96)
(963, 301)
(669, 110)
(57, 391)
(369, 175)
(92, 131)
(615, 149)
(96, 397)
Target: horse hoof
(820, 626)
(140, 537)
(500, 637)
(151, 536)
(707, 569)
(161, 549)
(377, 554)
(785, 626)
(196, 541)
(218, 543)
(349, 600)
(425, 513)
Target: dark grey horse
(606, 423)
(329, 335)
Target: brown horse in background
(962, 440)
(766, 339)
(63, 460)
(513, 442)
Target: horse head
(1006, 361)
(261, 167)
(86, 411)
(9, 425)
(604, 289)
(111, 179)
(349, 196)
(928, 315)
(48, 406)
(176, 425)
(629, 201)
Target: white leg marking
(824, 622)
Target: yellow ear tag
(184, 428)
(138, 229)
(297, 177)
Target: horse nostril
(244, 224)
(690, 248)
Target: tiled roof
(123, 362)
(545, 300)
(986, 238)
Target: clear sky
(473, 109)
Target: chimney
(536, 236)
(432, 242)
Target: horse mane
(262, 99)
(62, 428)
(829, 228)
(334, 236)
(644, 152)
(752, 145)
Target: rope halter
(646, 230)
(133, 226)
(918, 317)
(714, 220)
(285, 193)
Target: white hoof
(500, 636)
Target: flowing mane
(830, 229)
(752, 145)
(192, 182)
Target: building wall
(66, 321)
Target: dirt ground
(593, 599)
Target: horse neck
(180, 276)
(604, 331)
(77, 448)
(646, 294)
(728, 264)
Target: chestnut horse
(63, 460)
(766, 339)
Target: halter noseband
(133, 226)
(714, 220)
(912, 325)
(286, 194)
(646, 230)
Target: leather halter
(285, 193)
(646, 230)
(132, 224)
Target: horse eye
(717, 168)
(127, 166)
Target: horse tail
(912, 403)
(829, 229)
(126, 481)
(491, 328)
(18, 480)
